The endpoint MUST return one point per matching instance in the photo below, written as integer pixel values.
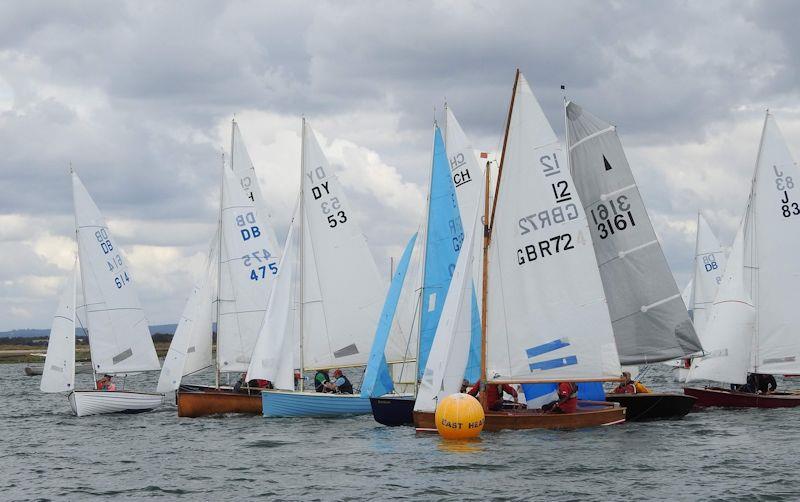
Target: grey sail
(647, 312)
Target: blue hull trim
(313, 404)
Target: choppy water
(47, 453)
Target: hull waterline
(276, 403)
(589, 414)
(99, 402)
(653, 406)
(196, 401)
(717, 396)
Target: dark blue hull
(394, 410)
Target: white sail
(273, 355)
(447, 359)
(342, 289)
(728, 334)
(686, 294)
(402, 344)
(467, 174)
(709, 266)
(119, 335)
(190, 349)
(650, 320)
(547, 315)
(58, 374)
(248, 267)
(772, 239)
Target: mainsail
(709, 265)
(547, 319)
(341, 289)
(119, 335)
(58, 374)
(650, 320)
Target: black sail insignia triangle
(605, 161)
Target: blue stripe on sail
(546, 347)
(377, 380)
(536, 390)
(554, 363)
(443, 242)
(473, 371)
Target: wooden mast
(488, 224)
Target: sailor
(341, 385)
(766, 383)
(567, 399)
(627, 386)
(320, 379)
(494, 394)
(105, 383)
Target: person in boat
(105, 383)
(766, 383)
(629, 386)
(494, 394)
(567, 399)
(464, 386)
(321, 379)
(341, 385)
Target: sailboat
(541, 287)
(650, 320)
(119, 336)
(245, 260)
(338, 291)
(443, 241)
(709, 266)
(753, 323)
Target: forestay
(728, 335)
(650, 320)
(547, 316)
(709, 265)
(58, 374)
(119, 336)
(772, 240)
(190, 349)
(467, 175)
(273, 355)
(449, 353)
(248, 265)
(342, 289)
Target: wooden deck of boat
(588, 415)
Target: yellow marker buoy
(459, 416)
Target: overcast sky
(139, 96)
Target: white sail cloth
(342, 291)
(119, 335)
(709, 267)
(190, 349)
(58, 374)
(650, 320)
(547, 315)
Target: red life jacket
(568, 397)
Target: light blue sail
(443, 243)
(377, 379)
(473, 371)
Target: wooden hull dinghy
(99, 402)
(589, 414)
(723, 398)
(394, 410)
(199, 401)
(277, 403)
(653, 406)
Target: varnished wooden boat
(199, 401)
(653, 406)
(724, 398)
(589, 414)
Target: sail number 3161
(614, 218)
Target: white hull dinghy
(99, 402)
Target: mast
(754, 244)
(302, 215)
(488, 223)
(83, 281)
(219, 256)
(424, 260)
